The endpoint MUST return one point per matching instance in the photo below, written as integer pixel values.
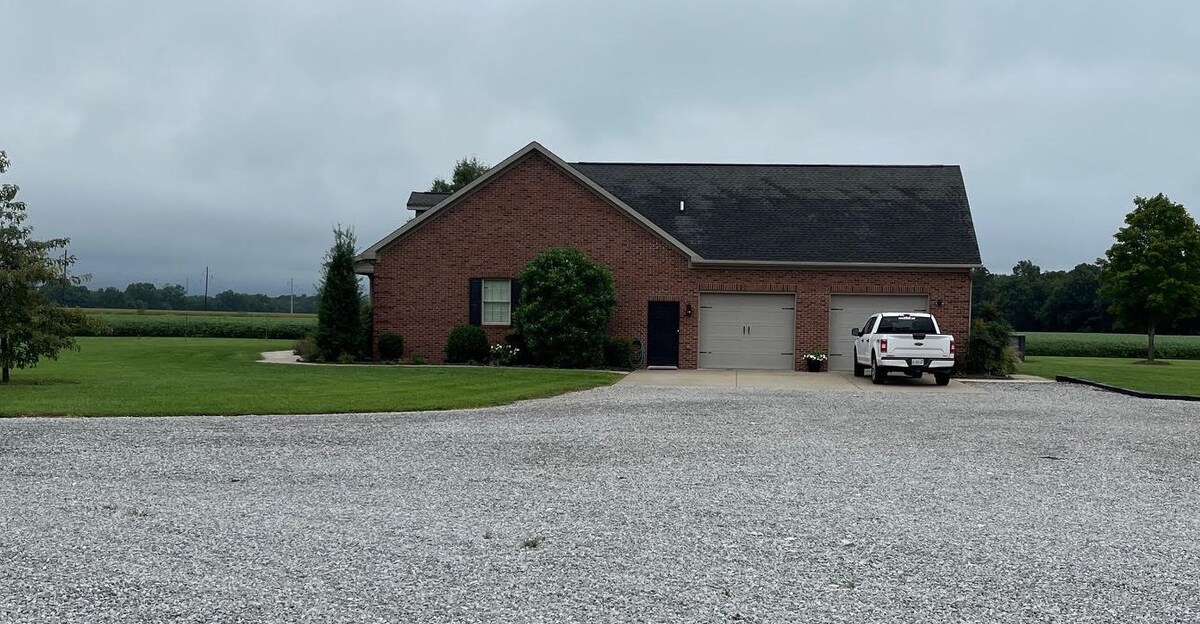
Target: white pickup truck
(908, 342)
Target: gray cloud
(166, 136)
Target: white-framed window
(497, 302)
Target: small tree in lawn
(566, 305)
(1152, 273)
(339, 324)
(31, 325)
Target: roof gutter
(863, 266)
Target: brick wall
(420, 285)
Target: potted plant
(814, 359)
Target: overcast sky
(164, 136)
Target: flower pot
(814, 366)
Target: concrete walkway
(788, 380)
(280, 357)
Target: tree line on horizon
(1031, 299)
(1148, 281)
(147, 296)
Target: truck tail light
(951, 346)
(883, 345)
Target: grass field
(162, 323)
(1109, 345)
(179, 376)
(1174, 377)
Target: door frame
(652, 337)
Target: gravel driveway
(1039, 503)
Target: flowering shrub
(815, 355)
(504, 354)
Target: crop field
(166, 323)
(1127, 346)
(193, 313)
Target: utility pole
(206, 289)
(292, 295)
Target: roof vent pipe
(681, 205)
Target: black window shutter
(515, 299)
(475, 302)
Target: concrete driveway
(788, 380)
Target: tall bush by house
(988, 351)
(567, 303)
(339, 316)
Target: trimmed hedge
(198, 326)
(391, 346)
(467, 343)
(1129, 346)
(618, 352)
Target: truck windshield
(906, 325)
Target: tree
(1073, 302)
(1152, 272)
(143, 296)
(110, 297)
(339, 324)
(228, 301)
(1020, 296)
(465, 172)
(567, 302)
(172, 297)
(32, 326)
(983, 289)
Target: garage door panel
(747, 331)
(850, 311)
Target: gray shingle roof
(418, 200)
(802, 213)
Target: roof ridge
(711, 164)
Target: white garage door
(747, 331)
(849, 311)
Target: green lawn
(1175, 377)
(179, 376)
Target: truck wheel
(878, 375)
(859, 369)
(942, 378)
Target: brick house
(714, 266)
